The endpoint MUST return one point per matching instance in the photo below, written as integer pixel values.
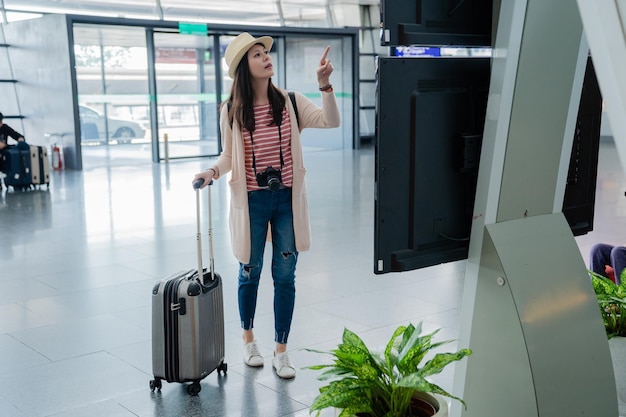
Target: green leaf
(408, 334)
(414, 351)
(602, 285)
(390, 357)
(350, 339)
(441, 360)
(418, 383)
(340, 394)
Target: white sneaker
(251, 355)
(283, 366)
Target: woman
(263, 152)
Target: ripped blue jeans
(271, 208)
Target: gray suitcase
(188, 322)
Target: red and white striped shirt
(267, 146)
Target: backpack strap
(292, 97)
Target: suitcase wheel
(194, 388)
(155, 384)
(223, 367)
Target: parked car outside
(93, 127)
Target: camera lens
(270, 178)
(273, 183)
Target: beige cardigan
(233, 159)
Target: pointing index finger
(324, 55)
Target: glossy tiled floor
(78, 262)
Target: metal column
(529, 312)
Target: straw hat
(239, 47)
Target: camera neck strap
(280, 148)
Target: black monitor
(429, 120)
(430, 115)
(580, 189)
(436, 22)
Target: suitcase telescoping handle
(196, 186)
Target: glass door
(113, 99)
(186, 99)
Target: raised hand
(325, 69)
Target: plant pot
(436, 402)
(617, 346)
(433, 401)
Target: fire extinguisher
(57, 163)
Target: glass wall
(186, 97)
(304, 55)
(125, 103)
(114, 100)
(111, 75)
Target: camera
(270, 178)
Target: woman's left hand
(325, 69)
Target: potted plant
(612, 302)
(394, 384)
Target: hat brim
(266, 41)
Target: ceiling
(317, 13)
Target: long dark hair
(242, 98)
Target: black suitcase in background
(16, 166)
(188, 322)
